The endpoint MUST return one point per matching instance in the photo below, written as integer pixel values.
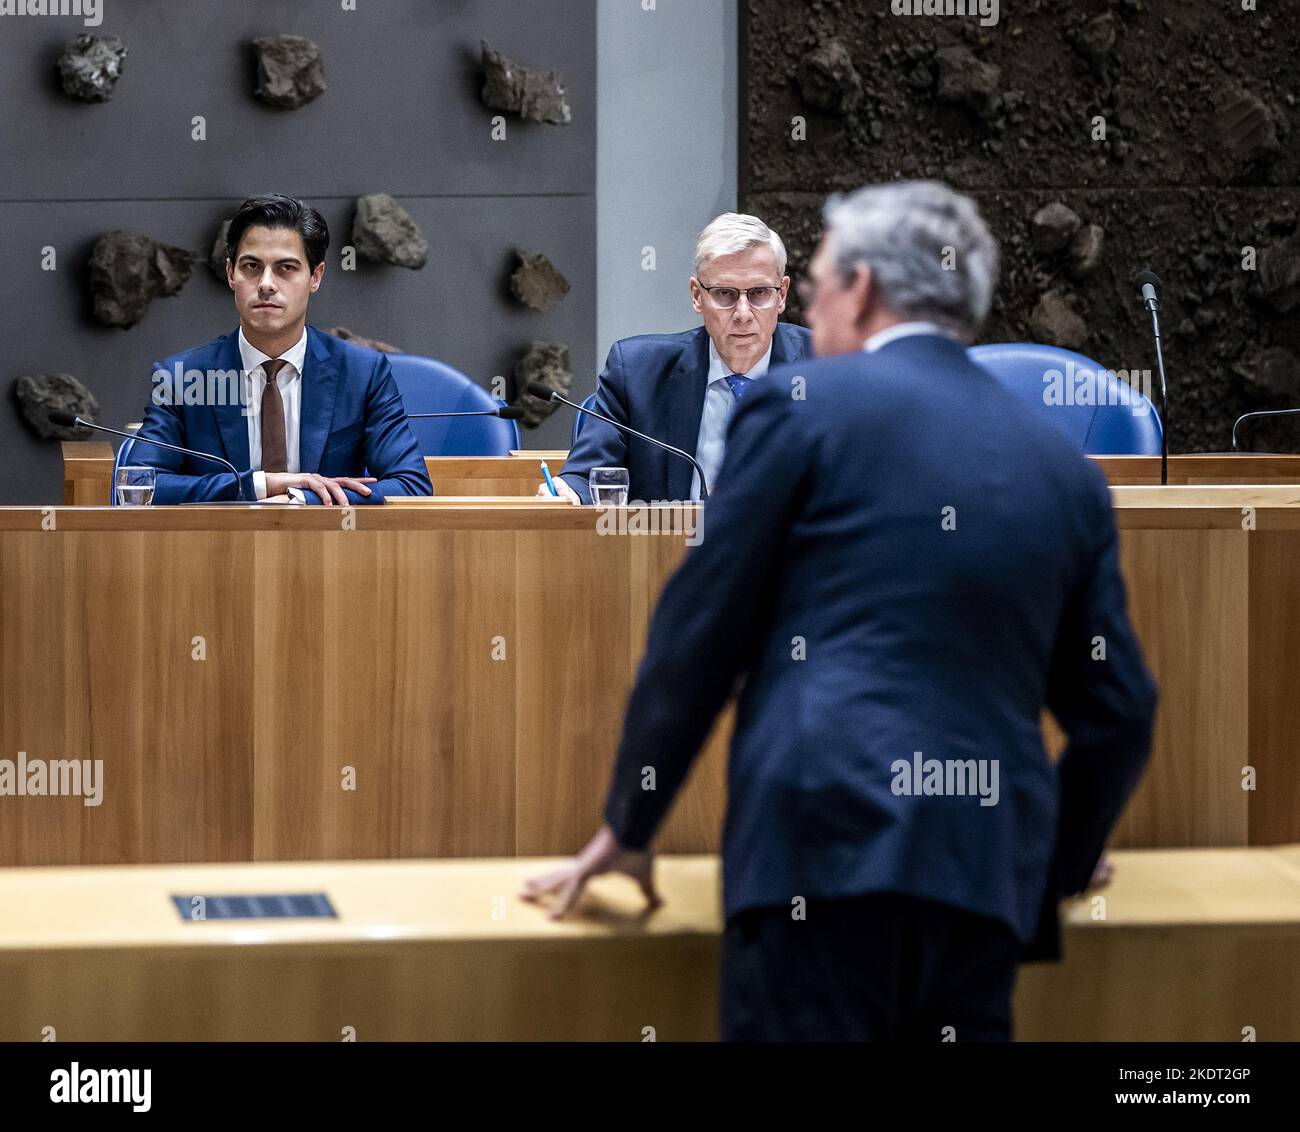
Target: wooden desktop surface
(1184, 945)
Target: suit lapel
(686, 387)
(787, 346)
(232, 423)
(779, 353)
(319, 385)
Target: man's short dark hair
(278, 211)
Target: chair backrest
(429, 386)
(579, 419)
(1097, 410)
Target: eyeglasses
(760, 298)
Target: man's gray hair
(927, 246)
(734, 232)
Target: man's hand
(1102, 874)
(602, 854)
(329, 488)
(562, 486)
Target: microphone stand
(133, 437)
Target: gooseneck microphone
(505, 412)
(1260, 413)
(1147, 282)
(546, 393)
(71, 420)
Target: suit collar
(785, 345)
(720, 371)
(320, 377)
(252, 357)
(319, 386)
(921, 344)
(686, 386)
(232, 421)
(914, 329)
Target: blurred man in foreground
(905, 568)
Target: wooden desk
(1213, 579)
(1185, 946)
(1193, 946)
(1245, 467)
(489, 475)
(421, 951)
(239, 669)
(466, 669)
(87, 472)
(88, 469)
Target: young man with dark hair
(312, 417)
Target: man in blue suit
(303, 415)
(683, 388)
(904, 567)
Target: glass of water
(135, 486)
(609, 486)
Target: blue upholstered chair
(1098, 411)
(580, 419)
(429, 386)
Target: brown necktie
(275, 452)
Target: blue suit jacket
(656, 384)
(352, 424)
(866, 631)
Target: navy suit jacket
(656, 384)
(869, 621)
(352, 424)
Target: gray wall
(666, 154)
(401, 115)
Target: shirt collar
(903, 330)
(719, 371)
(252, 357)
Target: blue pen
(546, 474)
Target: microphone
(71, 420)
(1260, 413)
(505, 412)
(546, 393)
(1147, 282)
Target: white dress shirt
(903, 330)
(719, 405)
(289, 379)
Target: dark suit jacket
(352, 424)
(865, 631)
(656, 383)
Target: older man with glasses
(683, 388)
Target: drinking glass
(135, 486)
(609, 486)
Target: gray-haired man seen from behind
(902, 568)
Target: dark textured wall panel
(401, 105)
(1199, 161)
(401, 115)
